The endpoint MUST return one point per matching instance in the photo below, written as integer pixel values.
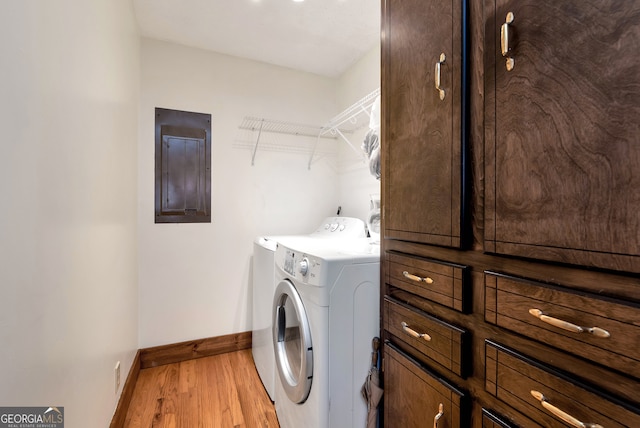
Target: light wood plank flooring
(222, 391)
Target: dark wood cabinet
(437, 341)
(518, 253)
(442, 282)
(418, 397)
(605, 331)
(423, 51)
(563, 131)
(551, 397)
(492, 420)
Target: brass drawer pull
(438, 416)
(438, 75)
(596, 331)
(566, 417)
(411, 332)
(504, 41)
(417, 278)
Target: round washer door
(292, 342)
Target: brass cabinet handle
(596, 331)
(504, 41)
(438, 76)
(560, 414)
(412, 332)
(438, 416)
(417, 278)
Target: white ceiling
(324, 37)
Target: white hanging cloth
(371, 143)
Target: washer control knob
(303, 266)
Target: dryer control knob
(304, 266)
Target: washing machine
(325, 314)
(264, 247)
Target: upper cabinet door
(562, 121)
(422, 90)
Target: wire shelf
(282, 127)
(347, 122)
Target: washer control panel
(303, 267)
(289, 263)
(339, 227)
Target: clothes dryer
(264, 247)
(325, 313)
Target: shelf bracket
(363, 106)
(255, 148)
(355, 149)
(313, 151)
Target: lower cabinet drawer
(550, 397)
(414, 397)
(603, 331)
(438, 341)
(445, 283)
(493, 420)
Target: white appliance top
(341, 227)
(268, 242)
(319, 262)
(331, 227)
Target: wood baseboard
(174, 353)
(127, 392)
(177, 352)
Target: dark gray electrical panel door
(183, 167)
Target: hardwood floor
(222, 391)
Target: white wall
(194, 278)
(86, 277)
(355, 181)
(68, 256)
